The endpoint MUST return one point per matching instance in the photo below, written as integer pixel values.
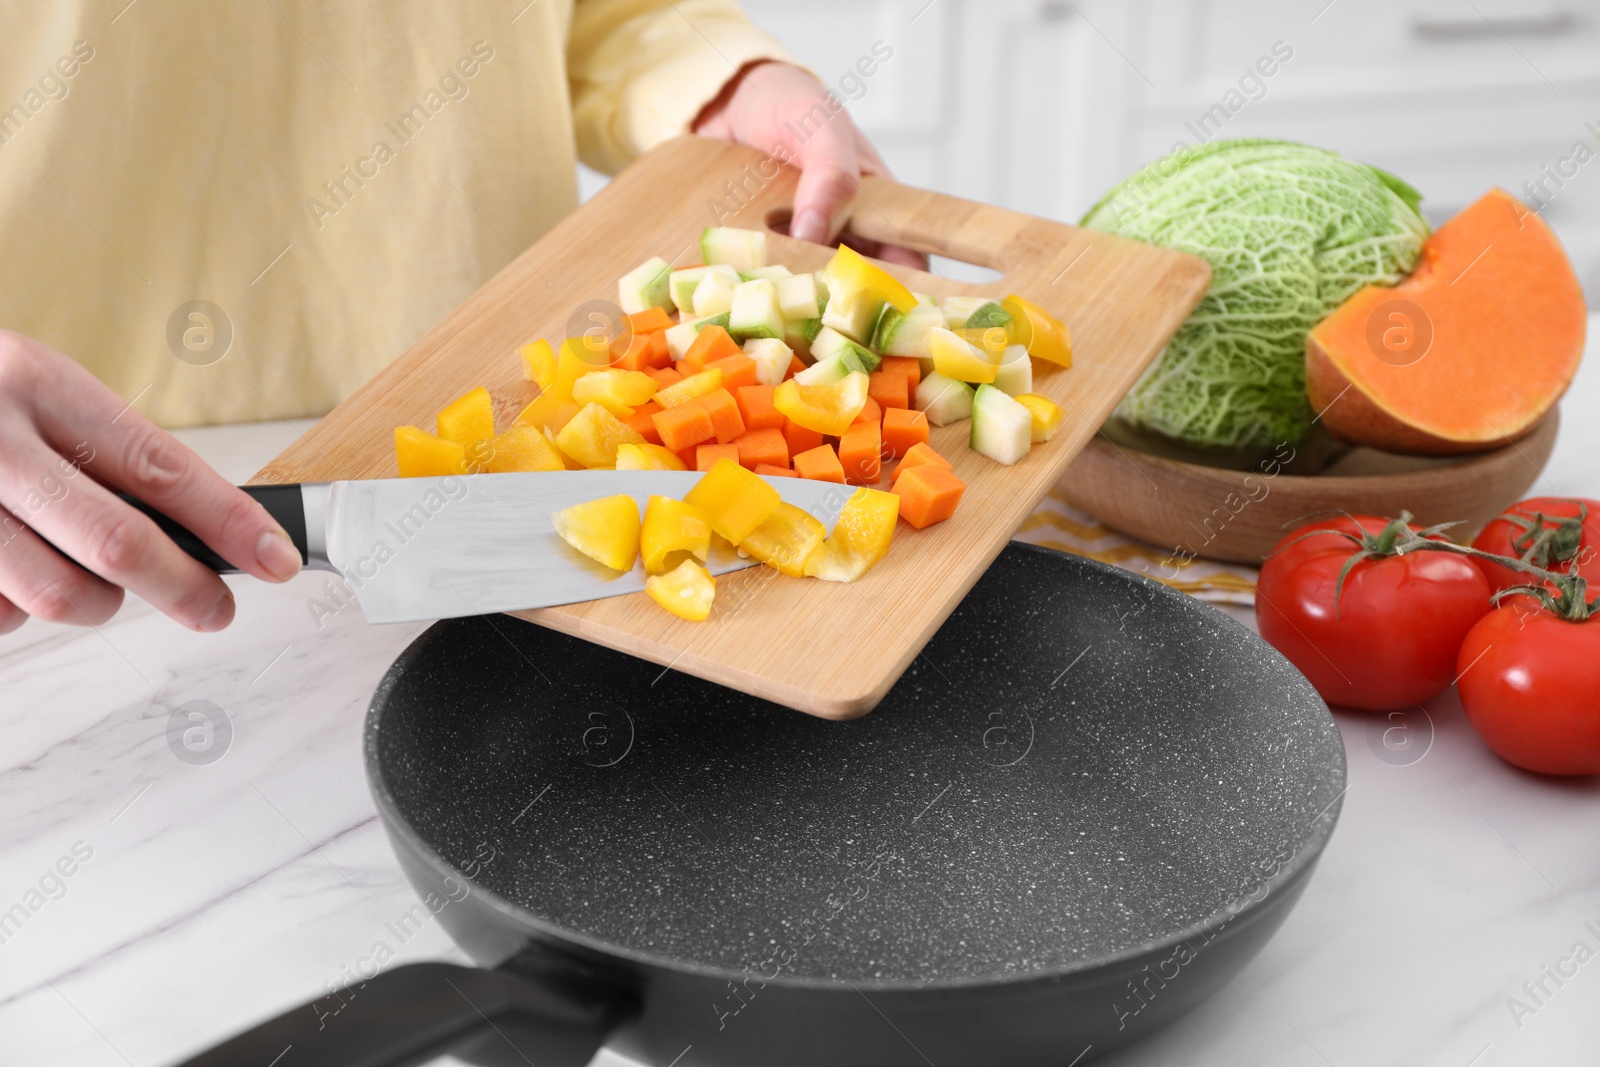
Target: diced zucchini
(755, 311)
(771, 357)
(798, 297)
(823, 372)
(958, 309)
(990, 314)
(1002, 429)
(740, 249)
(1014, 376)
(830, 343)
(711, 320)
(906, 333)
(714, 294)
(680, 286)
(794, 335)
(772, 273)
(852, 310)
(812, 327)
(924, 298)
(645, 286)
(943, 400)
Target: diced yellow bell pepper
(733, 499)
(828, 409)
(851, 268)
(538, 363)
(860, 538)
(956, 357)
(687, 590)
(566, 460)
(672, 526)
(694, 385)
(592, 437)
(1047, 415)
(576, 358)
(786, 540)
(618, 391)
(1041, 333)
(605, 530)
(524, 448)
(648, 457)
(548, 412)
(422, 455)
(468, 418)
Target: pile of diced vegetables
(744, 369)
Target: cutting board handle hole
(860, 233)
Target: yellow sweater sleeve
(641, 70)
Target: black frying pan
(1084, 807)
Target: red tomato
(1550, 542)
(1392, 642)
(1530, 685)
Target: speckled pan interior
(1079, 765)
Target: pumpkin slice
(1466, 354)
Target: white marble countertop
(206, 896)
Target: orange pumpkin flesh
(1466, 354)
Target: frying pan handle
(420, 1007)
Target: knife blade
(436, 548)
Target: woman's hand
(66, 443)
(763, 107)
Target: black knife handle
(283, 502)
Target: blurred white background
(1042, 105)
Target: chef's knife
(437, 548)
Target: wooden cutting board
(829, 649)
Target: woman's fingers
(125, 450)
(11, 616)
(108, 538)
(37, 580)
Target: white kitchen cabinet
(1041, 105)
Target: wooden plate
(1238, 515)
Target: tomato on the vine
(1547, 531)
(1530, 681)
(1367, 611)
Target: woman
(243, 210)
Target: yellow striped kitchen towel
(1058, 525)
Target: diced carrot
(737, 369)
(665, 376)
(683, 427)
(860, 455)
(870, 412)
(909, 366)
(800, 438)
(917, 455)
(923, 453)
(928, 494)
(889, 388)
(757, 409)
(688, 457)
(902, 428)
(711, 343)
(659, 355)
(769, 470)
(820, 463)
(650, 320)
(726, 423)
(630, 352)
(706, 456)
(757, 447)
(796, 365)
(641, 422)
